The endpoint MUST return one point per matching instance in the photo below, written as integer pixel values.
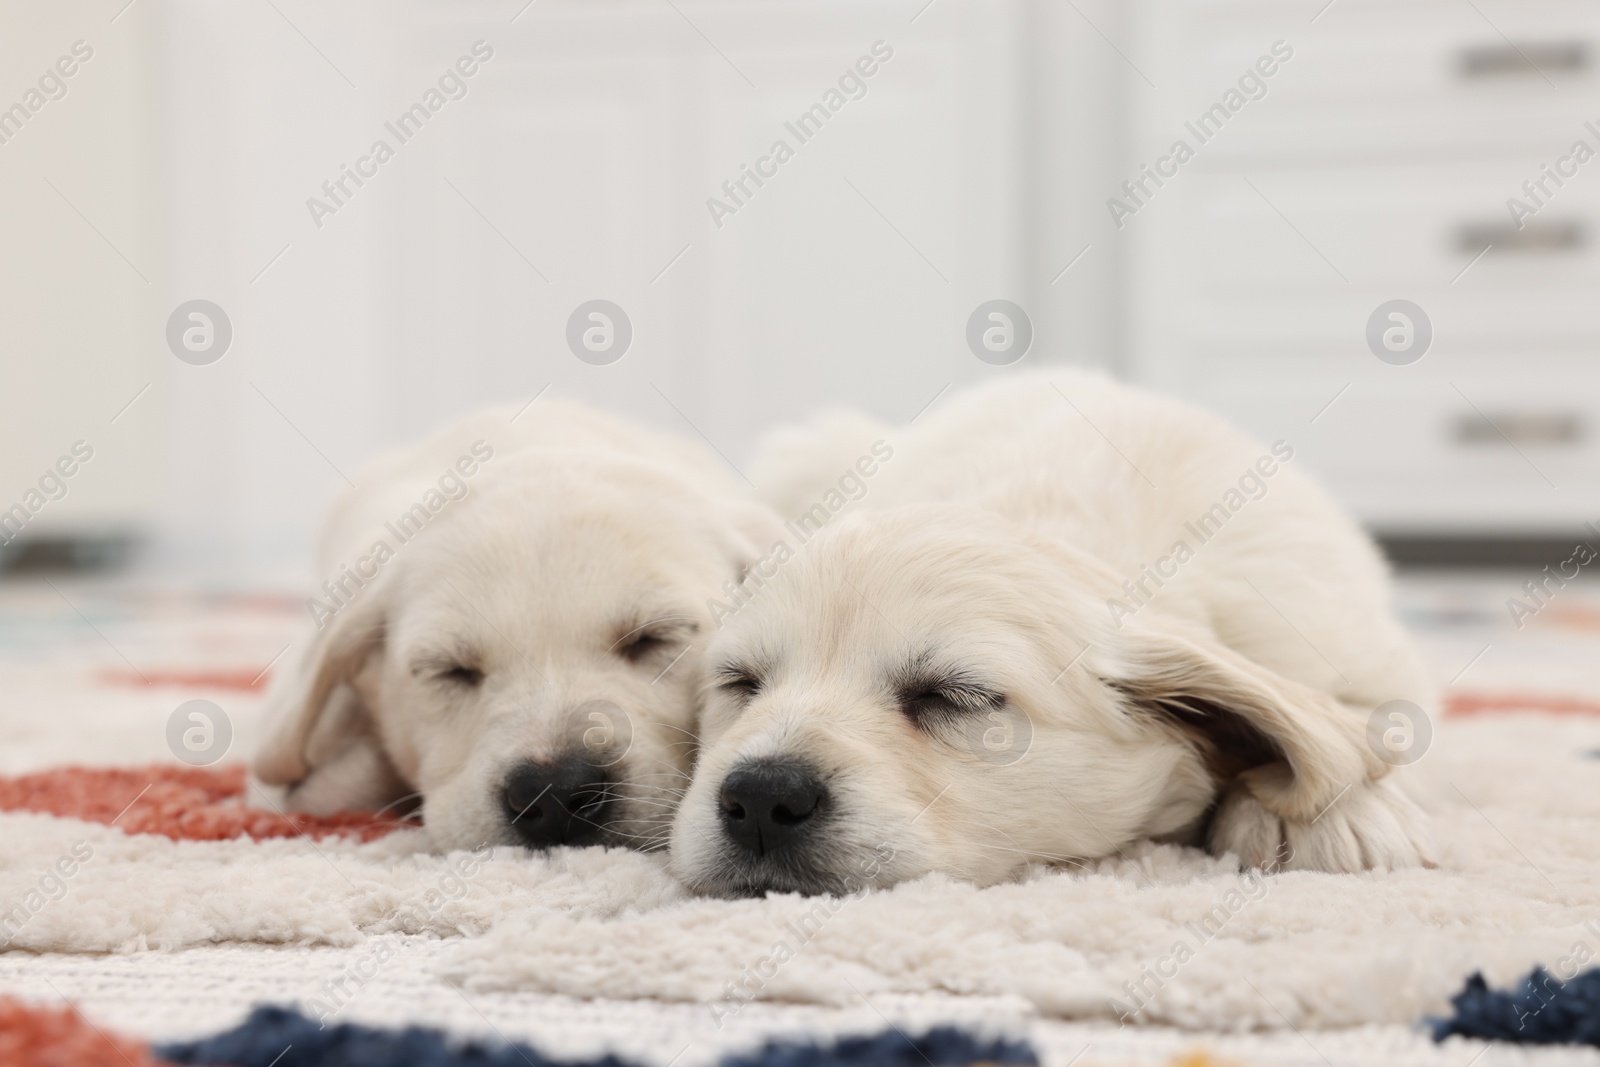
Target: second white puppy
(511, 629)
(1068, 614)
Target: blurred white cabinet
(1376, 165)
(79, 256)
(599, 139)
(578, 166)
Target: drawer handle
(1503, 60)
(1568, 236)
(1533, 429)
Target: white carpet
(532, 940)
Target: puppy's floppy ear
(1240, 715)
(321, 742)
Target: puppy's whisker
(998, 830)
(651, 838)
(673, 772)
(1020, 851)
(673, 767)
(681, 730)
(1047, 857)
(396, 803)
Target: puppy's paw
(1371, 825)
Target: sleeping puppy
(1066, 615)
(512, 631)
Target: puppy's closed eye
(740, 682)
(640, 647)
(933, 703)
(449, 669)
(462, 675)
(644, 642)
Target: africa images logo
(852, 85)
(452, 85)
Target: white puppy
(512, 628)
(1065, 615)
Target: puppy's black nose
(566, 802)
(769, 805)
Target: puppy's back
(1127, 475)
(396, 481)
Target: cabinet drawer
(1300, 258)
(1376, 79)
(1492, 444)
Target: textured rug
(154, 896)
(1160, 934)
(1541, 1010)
(278, 1037)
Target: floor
(63, 642)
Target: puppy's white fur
(1230, 709)
(581, 535)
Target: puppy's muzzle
(565, 802)
(769, 806)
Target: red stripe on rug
(208, 804)
(1463, 704)
(183, 803)
(1574, 616)
(247, 680)
(60, 1037)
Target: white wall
(978, 165)
(80, 264)
(584, 151)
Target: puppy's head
(935, 689)
(528, 662)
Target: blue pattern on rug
(286, 1038)
(1539, 1011)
